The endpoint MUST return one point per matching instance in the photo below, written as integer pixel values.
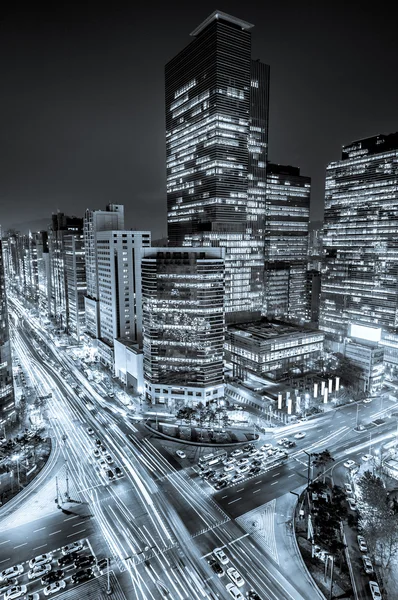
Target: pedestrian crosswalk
(95, 589)
(260, 523)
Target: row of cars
(105, 460)
(53, 580)
(217, 561)
(231, 469)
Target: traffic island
(187, 434)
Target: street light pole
(309, 467)
(67, 482)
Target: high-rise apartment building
(110, 219)
(76, 285)
(359, 280)
(119, 288)
(7, 400)
(183, 324)
(286, 244)
(216, 147)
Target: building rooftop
(263, 331)
(371, 145)
(218, 14)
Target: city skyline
(83, 122)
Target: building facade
(286, 244)
(76, 285)
(7, 399)
(110, 219)
(359, 279)
(274, 350)
(119, 287)
(183, 324)
(216, 152)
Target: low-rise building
(272, 349)
(369, 357)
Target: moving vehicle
(237, 477)
(266, 447)
(242, 461)
(367, 400)
(366, 457)
(67, 559)
(234, 591)
(55, 587)
(243, 468)
(367, 565)
(97, 453)
(83, 575)
(254, 452)
(352, 504)
(235, 576)
(181, 454)
(252, 595)
(237, 452)
(42, 559)
(119, 472)
(300, 435)
(34, 596)
(84, 561)
(254, 470)
(109, 459)
(73, 547)
(375, 590)
(248, 447)
(52, 576)
(362, 543)
(229, 461)
(221, 484)
(11, 572)
(218, 570)
(90, 431)
(6, 584)
(348, 488)
(110, 474)
(228, 468)
(221, 556)
(39, 571)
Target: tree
(321, 460)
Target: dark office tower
(7, 401)
(359, 281)
(286, 244)
(216, 146)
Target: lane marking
(292, 475)
(276, 475)
(42, 546)
(74, 517)
(54, 532)
(5, 560)
(236, 500)
(274, 483)
(255, 491)
(6, 542)
(41, 529)
(20, 545)
(76, 532)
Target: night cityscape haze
(199, 302)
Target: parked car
(362, 543)
(11, 572)
(348, 488)
(234, 591)
(110, 474)
(42, 559)
(352, 504)
(228, 468)
(221, 556)
(97, 453)
(98, 442)
(73, 547)
(242, 461)
(375, 590)
(221, 484)
(367, 565)
(52, 576)
(235, 577)
(243, 468)
(39, 571)
(248, 447)
(237, 477)
(266, 447)
(6, 584)
(109, 459)
(55, 587)
(83, 575)
(90, 431)
(254, 452)
(254, 470)
(67, 559)
(84, 560)
(229, 461)
(237, 452)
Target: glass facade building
(216, 151)
(76, 285)
(183, 324)
(359, 279)
(7, 400)
(287, 211)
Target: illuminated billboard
(372, 334)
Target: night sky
(82, 96)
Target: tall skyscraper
(183, 324)
(7, 400)
(110, 219)
(119, 288)
(359, 280)
(287, 215)
(216, 147)
(76, 285)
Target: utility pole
(108, 589)
(57, 491)
(67, 481)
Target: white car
(237, 477)
(367, 400)
(300, 435)
(102, 463)
(348, 488)
(237, 452)
(362, 543)
(90, 431)
(243, 461)
(97, 453)
(15, 592)
(34, 596)
(234, 592)
(42, 559)
(349, 464)
(73, 547)
(11, 572)
(54, 587)
(374, 590)
(352, 503)
(367, 457)
(243, 468)
(235, 576)
(39, 571)
(6, 584)
(221, 556)
(254, 452)
(181, 454)
(266, 447)
(109, 459)
(229, 461)
(367, 565)
(229, 468)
